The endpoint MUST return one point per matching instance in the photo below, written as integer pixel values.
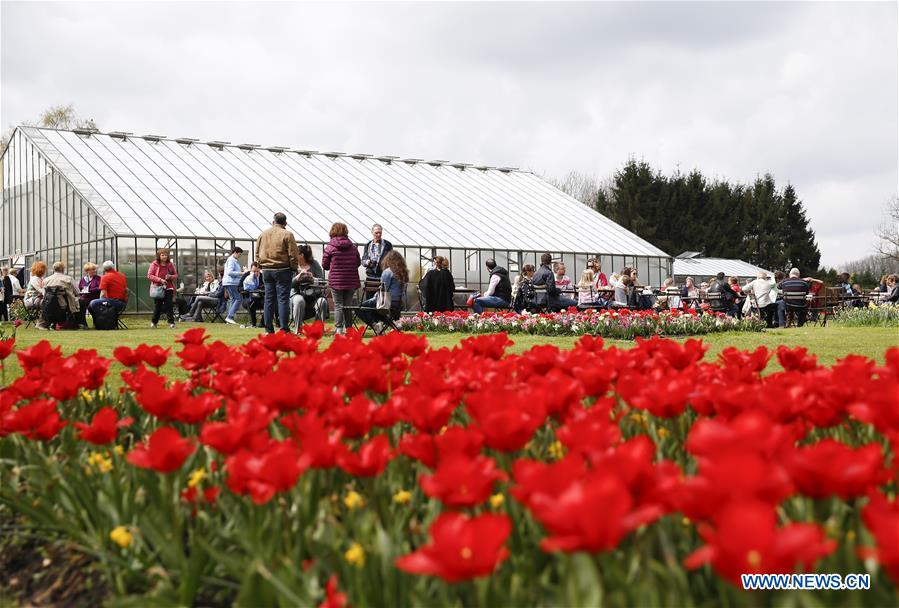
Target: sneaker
(152, 325)
(41, 326)
(171, 326)
(230, 321)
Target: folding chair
(213, 314)
(379, 317)
(795, 304)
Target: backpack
(105, 316)
(525, 296)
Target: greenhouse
(80, 195)
(693, 264)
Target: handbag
(157, 292)
(382, 299)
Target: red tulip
(314, 331)
(507, 417)
(6, 347)
(126, 356)
(103, 427)
(462, 548)
(796, 359)
(460, 481)
(334, 598)
(192, 336)
(165, 451)
(261, 475)
(587, 431)
(37, 420)
(881, 517)
(746, 539)
(35, 356)
(426, 412)
(154, 356)
(369, 461)
(833, 468)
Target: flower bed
(622, 324)
(387, 473)
(868, 316)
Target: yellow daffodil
(557, 450)
(402, 497)
(497, 500)
(663, 432)
(355, 555)
(353, 500)
(121, 536)
(196, 478)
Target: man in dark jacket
(499, 290)
(375, 250)
(798, 289)
(728, 295)
(551, 298)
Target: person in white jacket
(765, 292)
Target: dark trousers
(253, 305)
(164, 305)
(769, 314)
(277, 289)
(373, 316)
(4, 311)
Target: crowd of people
(290, 286)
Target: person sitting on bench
(394, 276)
(253, 293)
(499, 290)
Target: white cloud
(805, 91)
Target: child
(585, 295)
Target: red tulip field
(385, 472)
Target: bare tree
(578, 185)
(54, 117)
(888, 231)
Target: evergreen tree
(799, 243)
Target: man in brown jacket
(278, 257)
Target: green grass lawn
(829, 343)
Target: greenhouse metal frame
(80, 195)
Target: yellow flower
(353, 500)
(497, 500)
(402, 497)
(355, 556)
(557, 450)
(196, 478)
(105, 465)
(663, 432)
(121, 536)
(86, 396)
(118, 450)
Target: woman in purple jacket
(341, 260)
(88, 291)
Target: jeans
(563, 303)
(277, 288)
(782, 314)
(117, 304)
(234, 300)
(164, 305)
(488, 302)
(343, 319)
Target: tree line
(759, 222)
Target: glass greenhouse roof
(702, 268)
(154, 186)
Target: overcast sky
(805, 91)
